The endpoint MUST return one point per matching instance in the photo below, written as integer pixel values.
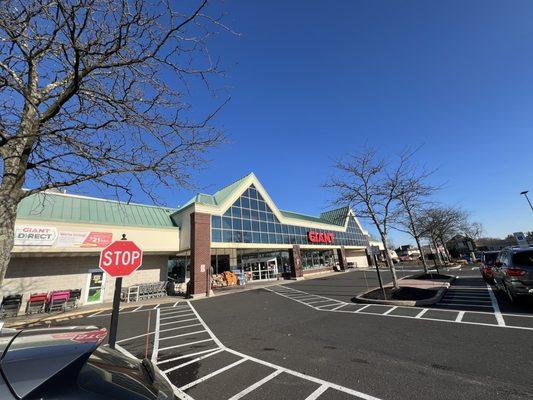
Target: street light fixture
(524, 193)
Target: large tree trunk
(421, 254)
(8, 214)
(390, 264)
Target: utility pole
(524, 193)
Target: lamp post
(525, 192)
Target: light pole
(525, 192)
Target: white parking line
(177, 316)
(177, 322)
(317, 393)
(184, 344)
(214, 373)
(390, 310)
(362, 308)
(338, 307)
(421, 313)
(460, 316)
(256, 385)
(156, 337)
(183, 334)
(187, 355)
(179, 327)
(497, 312)
(166, 371)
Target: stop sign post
(119, 259)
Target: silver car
(513, 272)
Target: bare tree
(414, 197)
(440, 223)
(370, 186)
(99, 91)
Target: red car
(487, 262)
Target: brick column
(341, 255)
(200, 253)
(295, 260)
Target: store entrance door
(261, 269)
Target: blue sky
(312, 81)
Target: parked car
(406, 258)
(63, 364)
(487, 261)
(513, 272)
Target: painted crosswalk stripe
(183, 334)
(187, 356)
(183, 345)
(214, 373)
(256, 385)
(166, 371)
(177, 322)
(460, 316)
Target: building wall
(357, 257)
(27, 275)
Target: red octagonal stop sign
(121, 258)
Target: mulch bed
(404, 293)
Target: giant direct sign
(26, 235)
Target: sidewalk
(23, 320)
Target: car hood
(32, 357)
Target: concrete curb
(18, 324)
(409, 303)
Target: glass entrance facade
(250, 220)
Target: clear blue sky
(312, 81)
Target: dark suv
(513, 272)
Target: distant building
(407, 250)
(460, 245)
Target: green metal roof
(68, 208)
(303, 217)
(217, 198)
(336, 217)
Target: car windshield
(524, 258)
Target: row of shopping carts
(144, 291)
(57, 300)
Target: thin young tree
(99, 92)
(414, 197)
(370, 186)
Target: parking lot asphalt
(307, 340)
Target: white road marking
(177, 316)
(455, 312)
(177, 322)
(95, 314)
(134, 337)
(166, 371)
(179, 327)
(183, 334)
(155, 307)
(460, 316)
(137, 308)
(390, 310)
(317, 393)
(188, 355)
(495, 305)
(184, 344)
(256, 385)
(214, 373)
(156, 336)
(176, 303)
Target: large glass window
(250, 220)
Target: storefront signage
(35, 235)
(30, 235)
(84, 239)
(320, 237)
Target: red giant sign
(319, 237)
(121, 258)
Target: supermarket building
(59, 237)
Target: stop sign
(121, 258)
